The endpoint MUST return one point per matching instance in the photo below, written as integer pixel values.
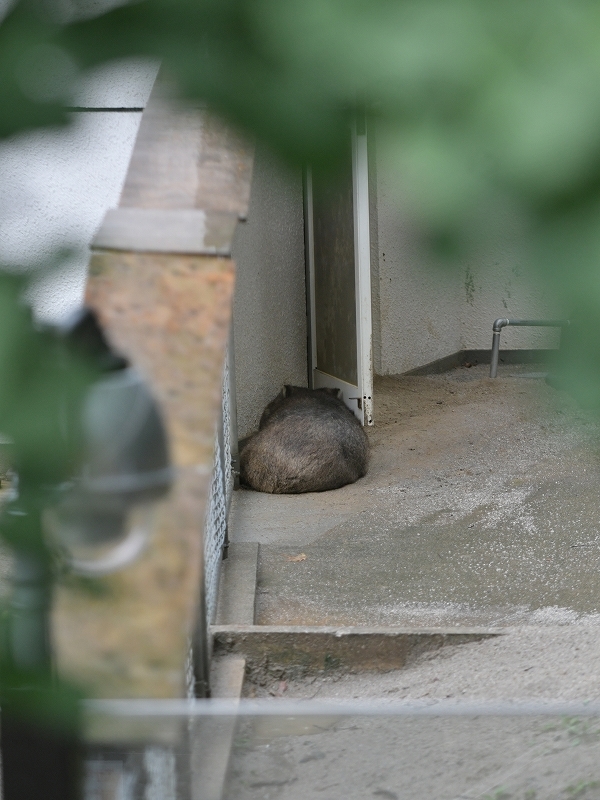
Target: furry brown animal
(308, 441)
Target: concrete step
(284, 652)
(237, 585)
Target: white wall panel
(425, 312)
(56, 184)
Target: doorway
(339, 278)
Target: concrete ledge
(237, 586)
(166, 230)
(212, 737)
(227, 677)
(295, 651)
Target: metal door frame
(359, 399)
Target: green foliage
(39, 699)
(479, 98)
(25, 40)
(42, 382)
(478, 102)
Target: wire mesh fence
(215, 528)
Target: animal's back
(308, 441)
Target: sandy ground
(412, 758)
(542, 663)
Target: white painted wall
(500, 286)
(56, 185)
(418, 302)
(424, 312)
(270, 295)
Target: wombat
(308, 441)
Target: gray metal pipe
(502, 322)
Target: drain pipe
(529, 323)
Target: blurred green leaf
(41, 389)
(25, 37)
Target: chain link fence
(215, 528)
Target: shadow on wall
(270, 296)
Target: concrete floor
(479, 508)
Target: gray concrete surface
(480, 508)
(237, 585)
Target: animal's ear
(289, 390)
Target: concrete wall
(270, 296)
(423, 312)
(499, 286)
(418, 302)
(56, 185)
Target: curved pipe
(503, 322)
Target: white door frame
(358, 398)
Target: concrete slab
(479, 508)
(227, 677)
